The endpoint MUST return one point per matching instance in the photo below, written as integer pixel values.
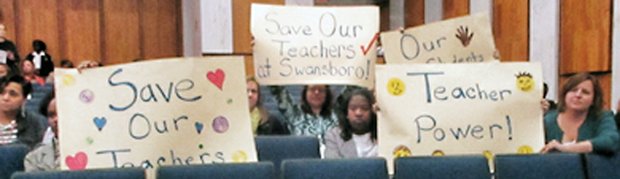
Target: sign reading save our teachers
(467, 39)
(309, 45)
(483, 108)
(154, 113)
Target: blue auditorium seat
(441, 167)
(115, 173)
(254, 170)
(555, 165)
(12, 159)
(278, 148)
(357, 168)
(602, 166)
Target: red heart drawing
(217, 78)
(78, 162)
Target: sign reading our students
(452, 109)
(309, 45)
(466, 39)
(154, 113)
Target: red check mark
(365, 50)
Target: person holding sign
(262, 122)
(17, 126)
(579, 125)
(356, 134)
(313, 116)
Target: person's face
(12, 97)
(2, 31)
(581, 97)
(252, 94)
(316, 95)
(359, 113)
(52, 117)
(27, 67)
(4, 70)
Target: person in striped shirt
(17, 126)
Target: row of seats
(298, 157)
(506, 166)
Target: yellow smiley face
(525, 83)
(401, 151)
(396, 87)
(438, 153)
(525, 149)
(239, 156)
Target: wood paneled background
(111, 31)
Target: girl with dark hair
(42, 60)
(579, 125)
(356, 134)
(17, 126)
(313, 116)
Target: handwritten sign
(309, 45)
(149, 114)
(466, 39)
(484, 108)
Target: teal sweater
(601, 131)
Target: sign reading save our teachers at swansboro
(483, 108)
(154, 113)
(466, 39)
(309, 45)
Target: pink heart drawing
(78, 162)
(217, 78)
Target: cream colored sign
(452, 109)
(154, 113)
(310, 45)
(466, 39)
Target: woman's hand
(544, 105)
(553, 145)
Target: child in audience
(579, 125)
(313, 116)
(262, 122)
(356, 134)
(42, 60)
(45, 156)
(17, 126)
(29, 73)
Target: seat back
(278, 148)
(359, 168)
(256, 170)
(441, 167)
(115, 173)
(602, 166)
(12, 159)
(556, 165)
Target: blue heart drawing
(199, 127)
(99, 122)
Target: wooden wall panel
(38, 19)
(160, 28)
(80, 36)
(242, 37)
(585, 36)
(7, 17)
(455, 8)
(414, 13)
(511, 29)
(121, 41)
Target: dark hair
(38, 45)
(26, 86)
(327, 105)
(343, 109)
(46, 102)
(572, 82)
(66, 63)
